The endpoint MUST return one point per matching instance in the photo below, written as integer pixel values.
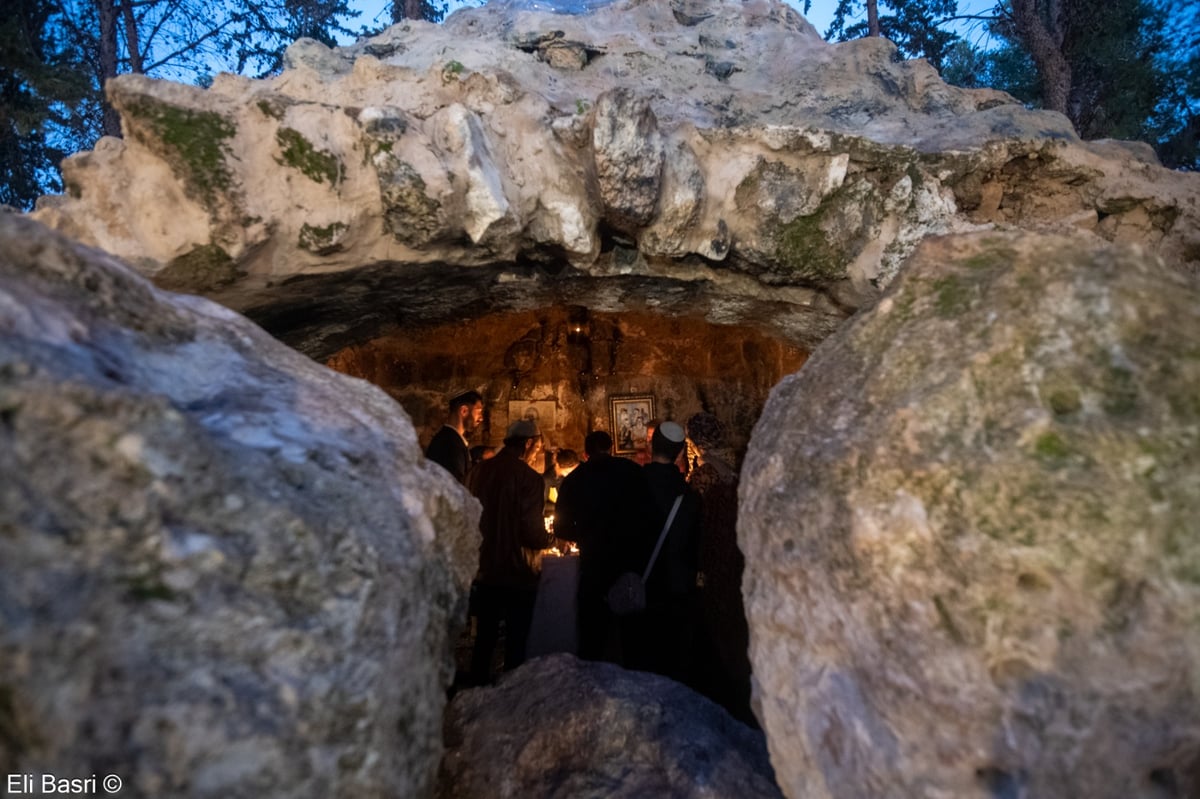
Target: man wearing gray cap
(449, 448)
(514, 531)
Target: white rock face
(225, 571)
(971, 525)
(715, 141)
(629, 158)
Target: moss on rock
(1051, 447)
(410, 214)
(802, 232)
(804, 247)
(953, 296)
(273, 107)
(322, 240)
(1064, 400)
(193, 142)
(205, 267)
(1120, 391)
(299, 153)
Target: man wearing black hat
(514, 531)
(449, 448)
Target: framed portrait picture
(540, 411)
(630, 413)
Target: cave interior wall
(577, 359)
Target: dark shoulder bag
(628, 593)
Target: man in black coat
(449, 447)
(514, 533)
(665, 635)
(605, 506)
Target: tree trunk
(873, 18)
(108, 61)
(131, 37)
(408, 9)
(1045, 47)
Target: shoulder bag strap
(662, 536)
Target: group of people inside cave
(693, 628)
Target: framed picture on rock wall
(540, 411)
(630, 413)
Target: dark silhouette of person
(605, 506)
(514, 533)
(663, 639)
(481, 452)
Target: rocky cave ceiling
(321, 314)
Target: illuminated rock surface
(721, 144)
(972, 533)
(224, 570)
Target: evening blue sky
(374, 12)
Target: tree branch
(193, 45)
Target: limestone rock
(563, 728)
(225, 571)
(724, 142)
(629, 157)
(972, 533)
(487, 216)
(681, 199)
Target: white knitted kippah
(672, 431)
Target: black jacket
(512, 524)
(448, 450)
(675, 570)
(605, 506)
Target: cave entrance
(699, 338)
(577, 368)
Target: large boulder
(564, 728)
(225, 571)
(972, 533)
(721, 145)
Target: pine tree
(43, 87)
(917, 27)
(427, 10)
(56, 55)
(1126, 69)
